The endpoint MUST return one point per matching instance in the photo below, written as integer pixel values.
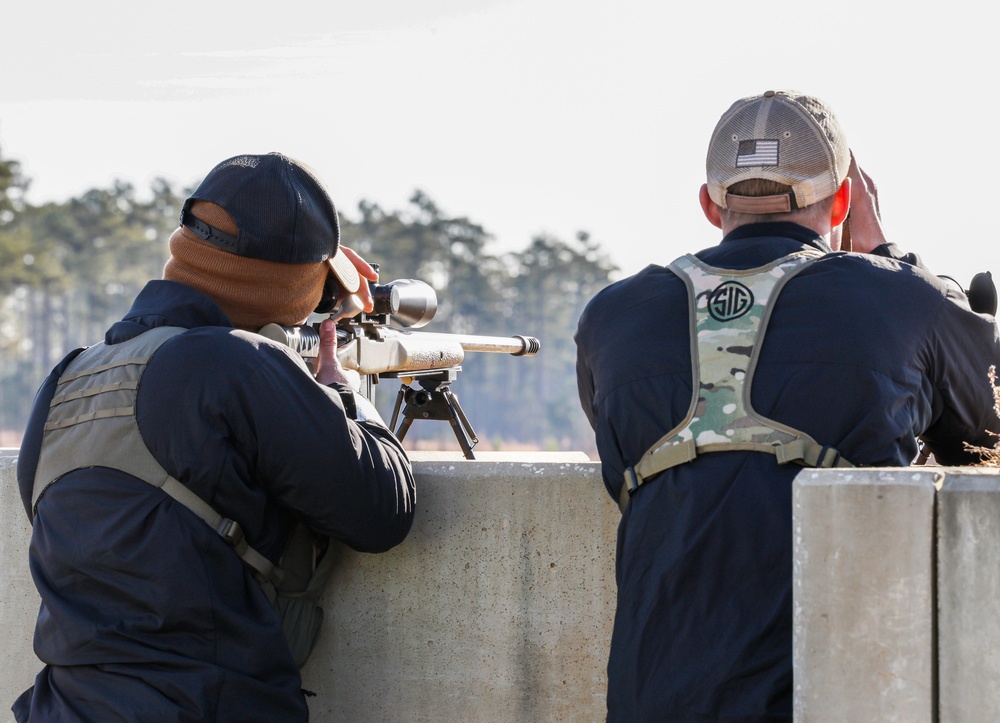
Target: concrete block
(498, 606)
(863, 576)
(969, 592)
(18, 598)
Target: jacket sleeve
(963, 346)
(348, 479)
(892, 251)
(585, 383)
(247, 419)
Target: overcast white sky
(526, 116)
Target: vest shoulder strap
(729, 310)
(91, 423)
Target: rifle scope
(410, 303)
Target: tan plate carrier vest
(729, 310)
(91, 423)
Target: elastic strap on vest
(228, 530)
(805, 452)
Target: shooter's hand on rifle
(329, 369)
(364, 293)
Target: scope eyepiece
(386, 298)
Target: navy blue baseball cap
(281, 209)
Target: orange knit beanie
(252, 292)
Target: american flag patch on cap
(757, 153)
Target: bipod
(433, 400)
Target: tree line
(70, 269)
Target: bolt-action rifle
(369, 344)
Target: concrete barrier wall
(497, 607)
(897, 583)
(969, 596)
(18, 598)
(863, 586)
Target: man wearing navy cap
(166, 468)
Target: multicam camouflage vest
(729, 310)
(91, 423)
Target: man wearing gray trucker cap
(802, 339)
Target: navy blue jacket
(147, 615)
(863, 353)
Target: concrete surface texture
(863, 588)
(969, 585)
(18, 598)
(497, 607)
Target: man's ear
(841, 204)
(711, 210)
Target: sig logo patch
(729, 300)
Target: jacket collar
(778, 229)
(167, 303)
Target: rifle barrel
(516, 345)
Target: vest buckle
(230, 531)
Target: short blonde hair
(757, 187)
